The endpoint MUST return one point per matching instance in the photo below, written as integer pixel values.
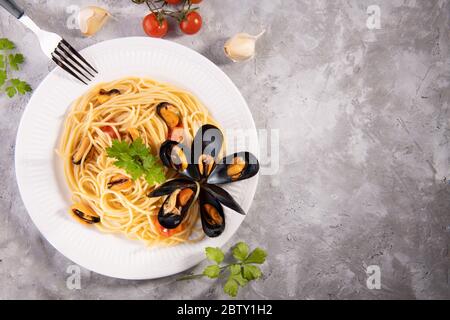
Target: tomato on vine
(191, 23)
(155, 26)
(173, 1)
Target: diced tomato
(109, 131)
(167, 232)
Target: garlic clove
(91, 19)
(241, 47)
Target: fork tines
(71, 61)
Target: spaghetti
(121, 110)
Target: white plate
(39, 170)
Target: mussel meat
(205, 165)
(235, 167)
(208, 141)
(175, 207)
(169, 186)
(211, 214)
(133, 133)
(169, 113)
(119, 182)
(176, 156)
(84, 214)
(177, 134)
(82, 149)
(104, 96)
(202, 172)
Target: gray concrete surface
(364, 130)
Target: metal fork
(54, 47)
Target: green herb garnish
(136, 160)
(8, 62)
(239, 272)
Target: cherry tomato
(153, 27)
(172, 1)
(167, 232)
(109, 131)
(195, 1)
(192, 23)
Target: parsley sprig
(135, 158)
(10, 61)
(241, 271)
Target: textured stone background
(364, 156)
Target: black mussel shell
(170, 186)
(235, 167)
(176, 206)
(206, 148)
(169, 113)
(176, 156)
(223, 197)
(211, 214)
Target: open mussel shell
(235, 167)
(169, 113)
(84, 213)
(176, 206)
(206, 148)
(223, 197)
(176, 156)
(211, 214)
(170, 186)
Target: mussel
(235, 167)
(133, 133)
(104, 96)
(84, 214)
(119, 182)
(176, 156)
(201, 170)
(83, 148)
(223, 197)
(211, 214)
(169, 113)
(177, 134)
(181, 194)
(169, 186)
(206, 148)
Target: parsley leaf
(6, 44)
(214, 254)
(155, 175)
(212, 271)
(240, 273)
(136, 160)
(2, 77)
(240, 251)
(118, 149)
(11, 62)
(239, 279)
(251, 272)
(231, 287)
(17, 86)
(15, 60)
(11, 91)
(257, 256)
(21, 86)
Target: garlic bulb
(91, 19)
(241, 47)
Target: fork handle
(12, 7)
